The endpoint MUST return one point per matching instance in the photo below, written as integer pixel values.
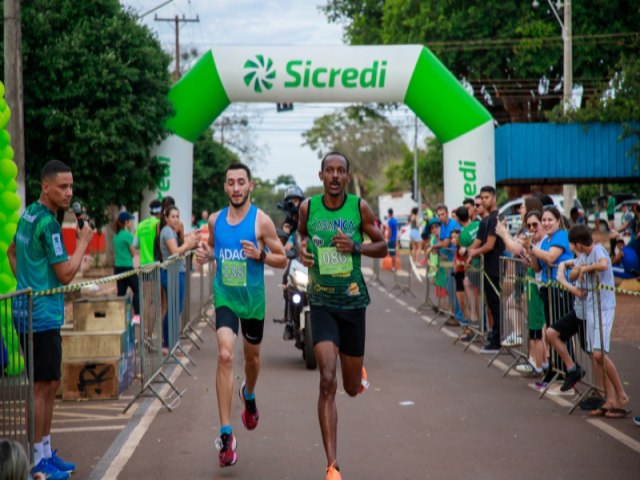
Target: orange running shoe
(333, 473)
(364, 383)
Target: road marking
(104, 428)
(616, 434)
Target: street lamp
(567, 40)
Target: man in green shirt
(146, 233)
(39, 260)
(331, 228)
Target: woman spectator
(170, 244)
(124, 253)
(414, 233)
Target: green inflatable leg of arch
(12, 362)
(381, 74)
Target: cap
(433, 221)
(155, 207)
(124, 216)
(293, 191)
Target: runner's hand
(306, 257)
(343, 242)
(250, 249)
(202, 253)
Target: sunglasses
(477, 204)
(533, 225)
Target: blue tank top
(239, 281)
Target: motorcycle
(297, 312)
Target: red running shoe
(333, 473)
(249, 415)
(227, 444)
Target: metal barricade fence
(176, 298)
(16, 369)
(515, 302)
(151, 336)
(402, 277)
(445, 285)
(474, 301)
(187, 329)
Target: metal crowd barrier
(444, 283)
(16, 370)
(474, 311)
(206, 311)
(187, 329)
(401, 277)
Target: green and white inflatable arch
(384, 74)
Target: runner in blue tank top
(243, 239)
(331, 229)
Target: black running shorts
(252, 328)
(344, 327)
(47, 355)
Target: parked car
(617, 216)
(511, 210)
(404, 231)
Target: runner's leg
(327, 357)
(224, 373)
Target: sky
(262, 22)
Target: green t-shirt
(335, 278)
(469, 234)
(121, 245)
(611, 207)
(146, 234)
(39, 246)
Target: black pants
(492, 296)
(129, 282)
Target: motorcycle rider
(293, 197)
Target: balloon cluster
(9, 216)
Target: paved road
(432, 412)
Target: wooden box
(87, 345)
(101, 314)
(91, 379)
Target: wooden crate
(88, 345)
(96, 379)
(101, 314)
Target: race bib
(234, 273)
(333, 262)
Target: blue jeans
(165, 320)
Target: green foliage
(368, 140)
(505, 47)
(266, 196)
(210, 160)
(430, 173)
(95, 97)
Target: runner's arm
(302, 235)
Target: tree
(210, 160)
(508, 52)
(366, 137)
(95, 97)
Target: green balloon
(5, 283)
(9, 230)
(10, 201)
(11, 186)
(3, 218)
(8, 169)
(5, 138)
(1, 89)
(7, 152)
(14, 217)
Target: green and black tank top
(335, 279)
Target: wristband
(263, 256)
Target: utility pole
(177, 20)
(14, 88)
(569, 191)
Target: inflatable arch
(382, 74)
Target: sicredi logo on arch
(260, 74)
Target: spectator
(433, 266)
(593, 261)
(447, 225)
(611, 209)
(204, 218)
(170, 245)
(392, 242)
(146, 233)
(469, 204)
(628, 259)
(467, 236)
(39, 260)
(414, 233)
(491, 248)
(575, 217)
(553, 250)
(14, 464)
(124, 253)
(458, 276)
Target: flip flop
(617, 413)
(599, 412)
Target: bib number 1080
(333, 262)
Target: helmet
(293, 191)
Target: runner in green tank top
(331, 229)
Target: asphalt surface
(432, 412)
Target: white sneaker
(512, 340)
(524, 368)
